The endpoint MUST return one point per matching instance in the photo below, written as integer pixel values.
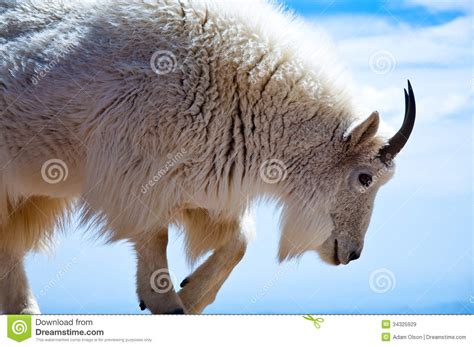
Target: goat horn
(398, 141)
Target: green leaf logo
(19, 327)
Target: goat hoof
(184, 282)
(176, 311)
(142, 305)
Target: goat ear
(365, 131)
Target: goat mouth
(336, 255)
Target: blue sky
(409, 12)
(393, 10)
(420, 238)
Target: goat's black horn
(398, 141)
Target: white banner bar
(238, 330)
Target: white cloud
(437, 59)
(440, 93)
(445, 45)
(349, 26)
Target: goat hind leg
(24, 227)
(15, 294)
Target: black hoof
(176, 311)
(185, 281)
(142, 305)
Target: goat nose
(353, 256)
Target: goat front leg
(154, 286)
(201, 287)
(15, 294)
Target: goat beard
(303, 229)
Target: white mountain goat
(146, 114)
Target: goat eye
(365, 179)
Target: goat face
(336, 217)
(352, 208)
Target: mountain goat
(146, 114)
